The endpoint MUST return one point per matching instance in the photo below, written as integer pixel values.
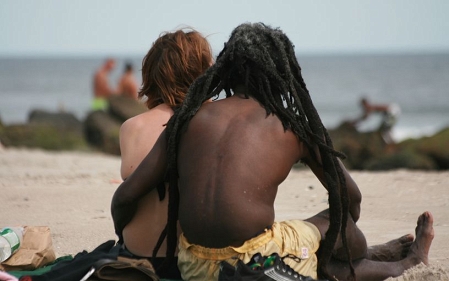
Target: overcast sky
(106, 27)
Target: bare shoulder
(131, 125)
(156, 116)
(145, 128)
(139, 134)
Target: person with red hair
(174, 61)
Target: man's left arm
(354, 194)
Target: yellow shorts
(295, 237)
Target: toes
(425, 218)
(425, 224)
(405, 250)
(408, 238)
(429, 217)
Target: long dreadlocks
(263, 59)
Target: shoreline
(71, 191)
(400, 132)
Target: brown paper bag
(35, 251)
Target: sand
(71, 192)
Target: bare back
(222, 162)
(128, 86)
(101, 82)
(137, 137)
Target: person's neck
(241, 91)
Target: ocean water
(418, 83)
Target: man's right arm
(147, 176)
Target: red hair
(171, 65)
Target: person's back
(240, 163)
(137, 137)
(127, 85)
(101, 86)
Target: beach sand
(71, 193)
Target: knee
(356, 243)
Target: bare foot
(393, 250)
(419, 251)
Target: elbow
(356, 199)
(115, 211)
(122, 214)
(355, 206)
(118, 205)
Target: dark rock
(42, 136)
(62, 130)
(123, 108)
(434, 147)
(407, 159)
(57, 120)
(358, 147)
(102, 131)
(368, 151)
(46, 130)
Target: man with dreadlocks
(226, 159)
